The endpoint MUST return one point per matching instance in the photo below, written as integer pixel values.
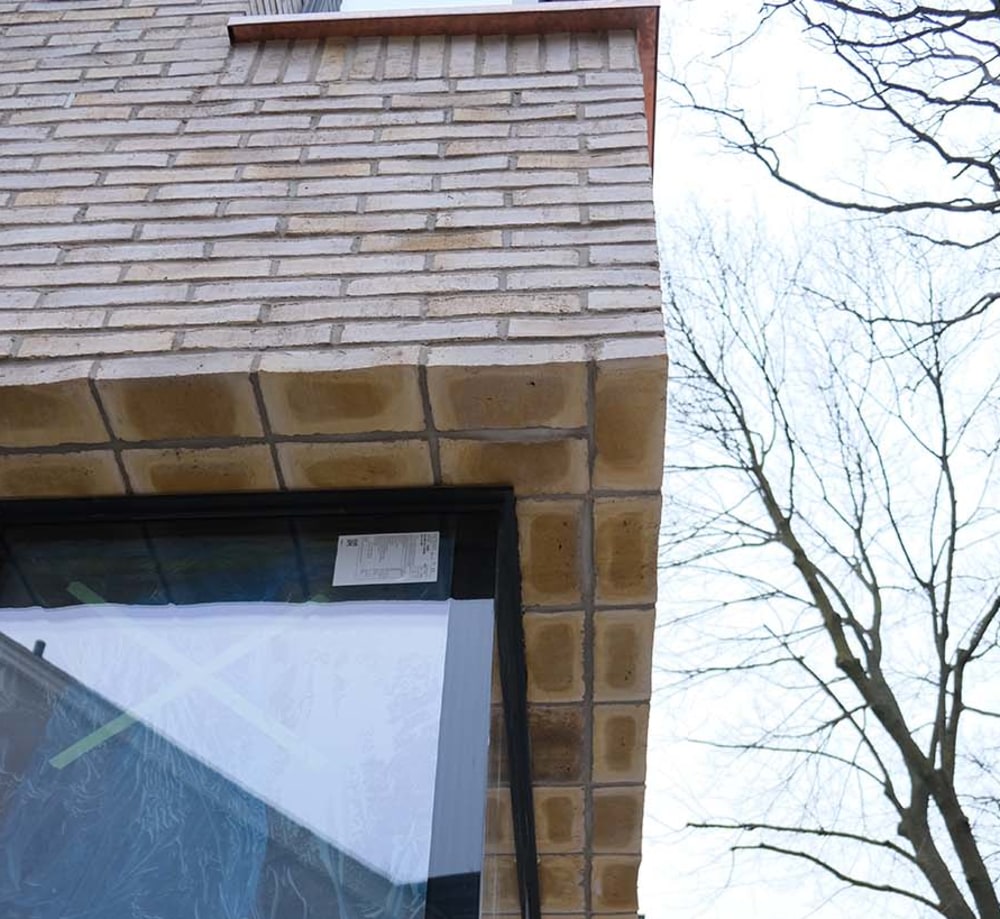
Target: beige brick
(549, 533)
(439, 282)
(226, 469)
(511, 396)
(617, 819)
(614, 883)
(554, 651)
(502, 303)
(366, 464)
(499, 821)
(557, 743)
(559, 819)
(509, 216)
(350, 264)
(77, 345)
(560, 879)
(500, 887)
(625, 298)
(623, 654)
(180, 407)
(347, 401)
(620, 743)
(597, 327)
(59, 475)
(629, 411)
(35, 414)
(504, 258)
(432, 242)
(584, 278)
(532, 467)
(626, 531)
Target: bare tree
(833, 553)
(926, 75)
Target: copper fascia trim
(537, 19)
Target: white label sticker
(386, 558)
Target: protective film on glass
(193, 725)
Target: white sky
(689, 875)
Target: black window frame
(485, 565)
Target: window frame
(490, 512)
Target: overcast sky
(688, 875)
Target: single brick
(499, 821)
(432, 242)
(550, 541)
(583, 278)
(553, 645)
(343, 401)
(502, 303)
(617, 819)
(556, 743)
(532, 467)
(386, 464)
(59, 475)
(501, 891)
(614, 883)
(629, 411)
(620, 743)
(85, 343)
(37, 413)
(504, 258)
(469, 397)
(226, 469)
(560, 879)
(625, 549)
(623, 655)
(559, 819)
(181, 406)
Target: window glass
(195, 721)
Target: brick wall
(352, 263)
(163, 191)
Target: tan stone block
(224, 469)
(349, 401)
(557, 738)
(623, 654)
(550, 544)
(553, 644)
(626, 532)
(366, 464)
(532, 467)
(629, 418)
(500, 887)
(620, 743)
(499, 821)
(560, 879)
(617, 819)
(614, 882)
(47, 414)
(559, 825)
(181, 407)
(508, 396)
(59, 475)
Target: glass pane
(208, 732)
